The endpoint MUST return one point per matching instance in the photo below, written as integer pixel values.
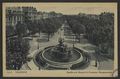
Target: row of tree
(76, 27)
(18, 46)
(17, 50)
(48, 26)
(98, 29)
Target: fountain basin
(44, 60)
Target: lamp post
(73, 41)
(96, 51)
(38, 46)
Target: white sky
(70, 8)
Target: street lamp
(38, 46)
(96, 51)
(73, 41)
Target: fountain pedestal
(61, 52)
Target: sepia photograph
(60, 37)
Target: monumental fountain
(61, 56)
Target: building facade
(15, 14)
(19, 14)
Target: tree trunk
(48, 36)
(75, 37)
(96, 63)
(39, 33)
(79, 38)
(32, 36)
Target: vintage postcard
(60, 39)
